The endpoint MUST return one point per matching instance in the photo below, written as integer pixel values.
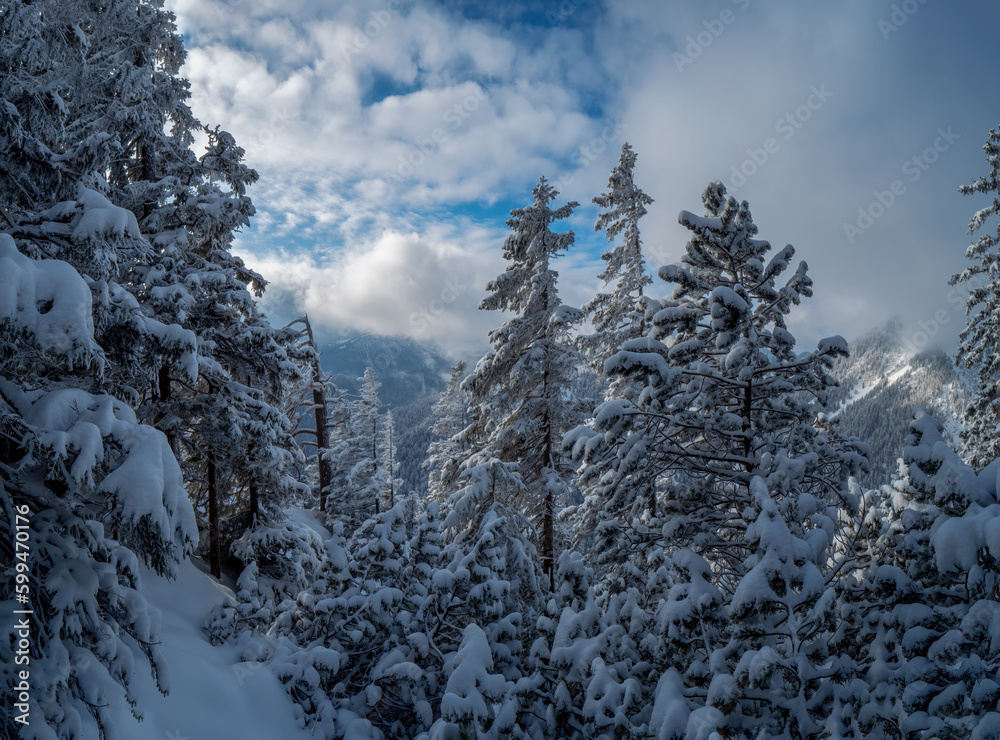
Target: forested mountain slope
(880, 384)
(412, 377)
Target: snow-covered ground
(212, 696)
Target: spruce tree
(368, 476)
(977, 348)
(519, 410)
(920, 612)
(725, 398)
(445, 453)
(100, 187)
(392, 487)
(615, 315)
(86, 494)
(357, 459)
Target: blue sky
(393, 137)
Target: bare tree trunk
(392, 472)
(747, 424)
(548, 538)
(214, 547)
(375, 460)
(547, 542)
(164, 392)
(322, 429)
(254, 504)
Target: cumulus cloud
(427, 286)
(383, 132)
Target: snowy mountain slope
(212, 695)
(881, 382)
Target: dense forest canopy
(641, 517)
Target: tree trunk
(392, 472)
(548, 544)
(164, 392)
(322, 429)
(747, 424)
(214, 548)
(375, 461)
(254, 504)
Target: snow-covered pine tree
(368, 477)
(761, 665)
(282, 560)
(726, 398)
(977, 348)
(93, 492)
(783, 677)
(344, 453)
(615, 315)
(473, 689)
(229, 423)
(446, 451)
(73, 103)
(98, 171)
(568, 640)
(922, 612)
(519, 410)
(383, 636)
(489, 578)
(117, 131)
(102, 492)
(189, 208)
(345, 638)
(391, 485)
(356, 456)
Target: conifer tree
(977, 348)
(102, 491)
(445, 453)
(316, 395)
(360, 472)
(391, 485)
(98, 175)
(368, 476)
(86, 494)
(921, 610)
(182, 327)
(726, 397)
(517, 390)
(615, 315)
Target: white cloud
(373, 128)
(425, 285)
